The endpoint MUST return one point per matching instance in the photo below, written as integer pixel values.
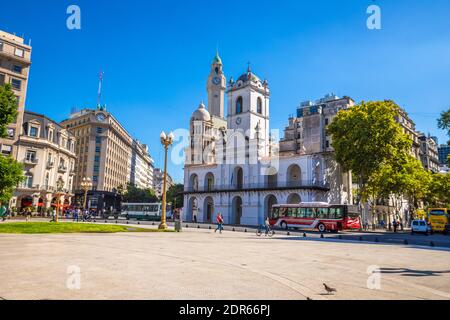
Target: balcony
(72, 172)
(305, 185)
(30, 161)
(50, 164)
(62, 169)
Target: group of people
(219, 221)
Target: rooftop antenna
(100, 82)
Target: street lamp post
(86, 185)
(166, 141)
(59, 189)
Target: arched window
(239, 105)
(259, 105)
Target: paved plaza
(199, 264)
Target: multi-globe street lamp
(166, 141)
(86, 185)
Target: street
(199, 264)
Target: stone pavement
(199, 264)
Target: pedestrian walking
(219, 223)
(267, 225)
(28, 214)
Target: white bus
(143, 211)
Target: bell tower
(216, 87)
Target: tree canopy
(8, 108)
(11, 172)
(132, 194)
(366, 138)
(444, 122)
(175, 195)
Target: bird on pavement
(329, 289)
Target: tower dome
(201, 114)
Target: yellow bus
(438, 218)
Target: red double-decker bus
(315, 215)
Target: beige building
(47, 152)
(306, 133)
(429, 153)
(409, 128)
(158, 180)
(15, 61)
(141, 166)
(103, 148)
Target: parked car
(421, 226)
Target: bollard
(198, 227)
(432, 244)
(116, 222)
(106, 221)
(187, 226)
(245, 230)
(139, 222)
(234, 229)
(288, 233)
(153, 223)
(376, 240)
(209, 227)
(321, 236)
(95, 221)
(405, 241)
(127, 222)
(360, 238)
(304, 234)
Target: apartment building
(306, 133)
(429, 155)
(141, 166)
(15, 62)
(47, 152)
(158, 179)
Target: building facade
(103, 148)
(234, 167)
(47, 152)
(15, 62)
(158, 179)
(443, 152)
(307, 133)
(429, 155)
(141, 166)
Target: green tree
(137, 195)
(175, 195)
(367, 138)
(8, 108)
(11, 172)
(444, 122)
(439, 192)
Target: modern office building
(443, 151)
(47, 152)
(15, 62)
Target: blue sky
(156, 56)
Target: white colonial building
(233, 165)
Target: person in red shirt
(219, 223)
